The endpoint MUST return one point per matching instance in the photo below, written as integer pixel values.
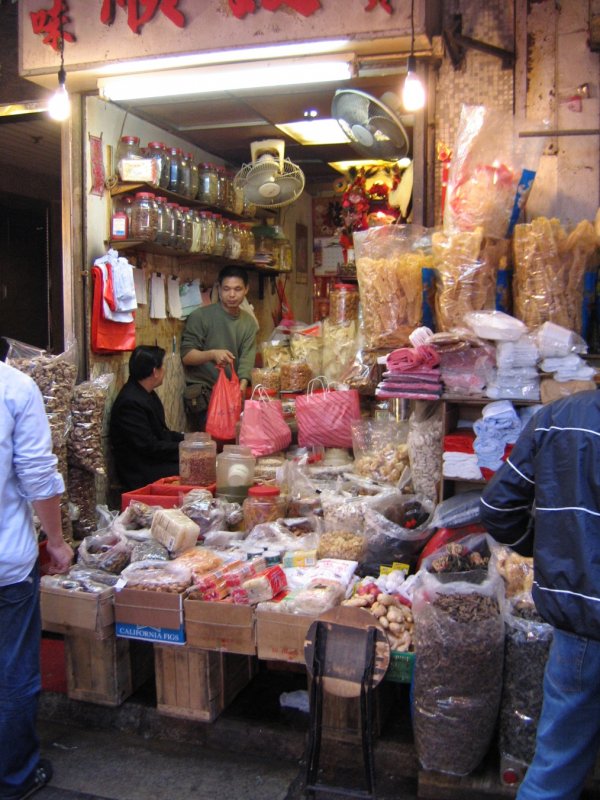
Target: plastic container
(263, 504)
(235, 472)
(184, 177)
(198, 461)
(128, 148)
(163, 225)
(156, 150)
(119, 223)
(343, 303)
(208, 184)
(175, 168)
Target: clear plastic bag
(425, 446)
(105, 550)
(380, 449)
(85, 440)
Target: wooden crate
(198, 684)
(105, 671)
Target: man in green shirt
(220, 334)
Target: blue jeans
(568, 734)
(20, 683)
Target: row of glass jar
(176, 171)
(150, 218)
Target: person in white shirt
(28, 480)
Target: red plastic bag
(107, 336)
(263, 429)
(224, 407)
(325, 418)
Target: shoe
(41, 776)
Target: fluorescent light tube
(315, 131)
(226, 78)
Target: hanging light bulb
(59, 105)
(413, 92)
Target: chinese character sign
(139, 12)
(50, 22)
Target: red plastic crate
(166, 492)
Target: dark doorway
(25, 270)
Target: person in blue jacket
(144, 448)
(553, 473)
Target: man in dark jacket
(144, 448)
(554, 473)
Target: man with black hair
(220, 334)
(145, 449)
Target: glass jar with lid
(263, 504)
(264, 245)
(186, 228)
(238, 198)
(234, 241)
(175, 168)
(156, 151)
(208, 184)
(175, 231)
(197, 461)
(249, 208)
(196, 231)
(184, 179)
(343, 303)
(163, 225)
(222, 187)
(128, 148)
(250, 243)
(220, 235)
(144, 217)
(207, 233)
(235, 472)
(194, 177)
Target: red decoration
(241, 8)
(51, 22)
(385, 4)
(359, 202)
(139, 12)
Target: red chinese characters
(241, 8)
(139, 12)
(51, 23)
(385, 4)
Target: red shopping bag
(107, 336)
(224, 406)
(263, 429)
(325, 418)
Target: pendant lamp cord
(412, 27)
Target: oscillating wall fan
(372, 126)
(270, 180)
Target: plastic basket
(401, 667)
(166, 493)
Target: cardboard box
(198, 684)
(105, 671)
(149, 616)
(226, 627)
(78, 612)
(280, 637)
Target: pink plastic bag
(263, 428)
(325, 418)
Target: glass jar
(230, 201)
(197, 461)
(207, 232)
(175, 168)
(175, 227)
(194, 177)
(238, 198)
(128, 148)
(264, 245)
(249, 208)
(222, 187)
(184, 178)
(263, 504)
(156, 151)
(144, 217)
(119, 222)
(220, 235)
(343, 303)
(285, 255)
(186, 228)
(235, 472)
(163, 226)
(196, 231)
(208, 188)
(233, 248)
(250, 244)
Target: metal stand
(321, 670)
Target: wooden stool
(347, 654)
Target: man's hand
(61, 557)
(223, 358)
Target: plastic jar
(235, 472)
(184, 178)
(196, 231)
(119, 222)
(163, 225)
(222, 187)
(233, 248)
(186, 230)
(198, 461)
(220, 235)
(207, 232)
(156, 151)
(343, 303)
(128, 148)
(194, 177)
(175, 230)
(208, 184)
(144, 217)
(263, 504)
(238, 198)
(175, 168)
